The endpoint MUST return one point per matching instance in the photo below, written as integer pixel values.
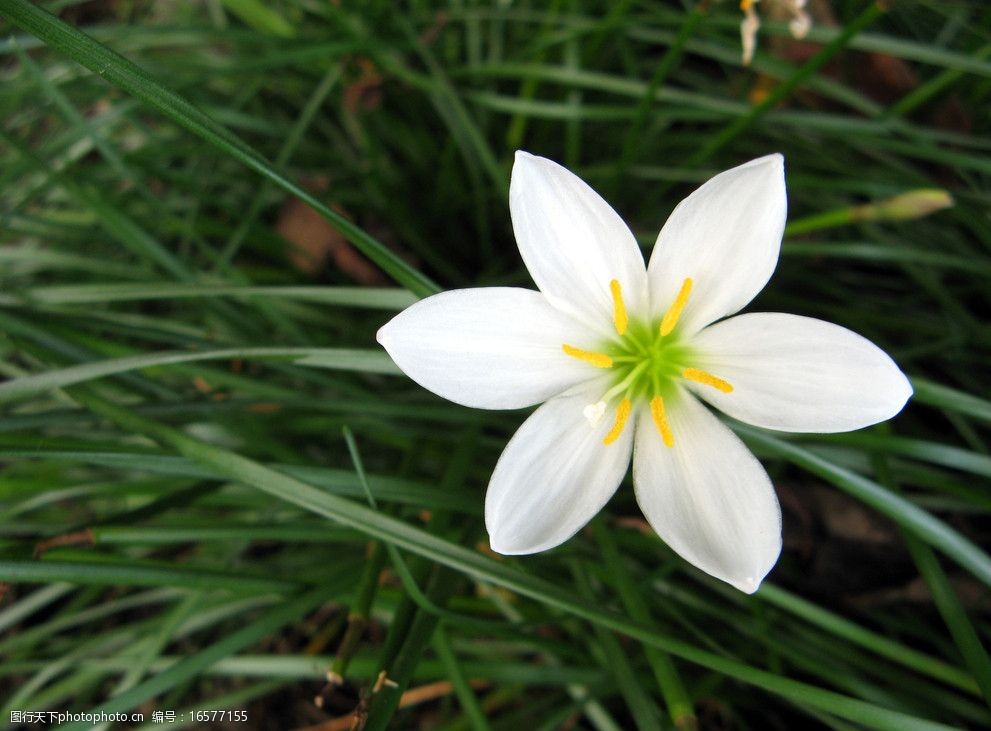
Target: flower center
(648, 360)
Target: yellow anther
(674, 311)
(661, 421)
(599, 360)
(622, 415)
(694, 374)
(619, 316)
(745, 5)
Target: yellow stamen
(694, 374)
(619, 316)
(661, 421)
(622, 414)
(599, 360)
(674, 311)
(745, 5)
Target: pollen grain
(599, 360)
(622, 415)
(694, 374)
(661, 420)
(674, 311)
(619, 317)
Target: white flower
(622, 354)
(799, 23)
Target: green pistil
(646, 363)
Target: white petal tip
(504, 548)
(496, 547)
(901, 399)
(747, 585)
(772, 165)
(526, 164)
(380, 336)
(510, 541)
(775, 159)
(909, 391)
(899, 391)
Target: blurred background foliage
(215, 489)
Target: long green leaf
(367, 361)
(378, 298)
(136, 574)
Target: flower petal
(799, 374)
(555, 474)
(708, 497)
(725, 237)
(490, 348)
(573, 242)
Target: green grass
(215, 487)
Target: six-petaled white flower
(622, 355)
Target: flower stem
(359, 613)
